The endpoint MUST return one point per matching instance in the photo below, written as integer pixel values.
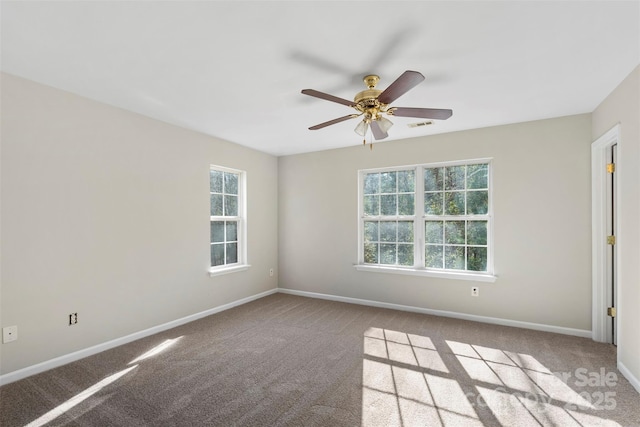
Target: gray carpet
(285, 360)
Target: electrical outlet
(271, 272)
(475, 291)
(73, 319)
(10, 333)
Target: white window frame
(241, 264)
(419, 218)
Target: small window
(429, 220)
(228, 222)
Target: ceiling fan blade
(333, 122)
(407, 81)
(378, 133)
(425, 113)
(328, 97)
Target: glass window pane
(370, 231)
(217, 231)
(405, 231)
(371, 253)
(434, 179)
(388, 231)
(231, 205)
(477, 232)
(477, 259)
(454, 257)
(433, 203)
(372, 205)
(388, 182)
(216, 205)
(372, 183)
(478, 176)
(230, 183)
(405, 204)
(232, 231)
(388, 204)
(454, 178)
(406, 182)
(477, 202)
(232, 253)
(454, 203)
(433, 231)
(217, 254)
(405, 254)
(433, 256)
(454, 233)
(387, 253)
(215, 181)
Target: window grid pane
(389, 242)
(389, 193)
(224, 189)
(456, 244)
(457, 190)
(224, 242)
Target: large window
(427, 219)
(227, 218)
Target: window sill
(476, 277)
(227, 270)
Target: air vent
(420, 124)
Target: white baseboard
(475, 318)
(635, 382)
(72, 357)
(80, 354)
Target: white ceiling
(234, 70)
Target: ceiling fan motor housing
(367, 103)
(367, 100)
(367, 97)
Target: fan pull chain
(364, 141)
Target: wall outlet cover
(10, 333)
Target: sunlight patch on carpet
(79, 398)
(156, 350)
(407, 380)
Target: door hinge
(611, 311)
(611, 167)
(611, 240)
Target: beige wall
(542, 206)
(623, 106)
(105, 213)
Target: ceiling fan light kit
(372, 103)
(362, 128)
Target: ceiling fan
(372, 103)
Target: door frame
(600, 326)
